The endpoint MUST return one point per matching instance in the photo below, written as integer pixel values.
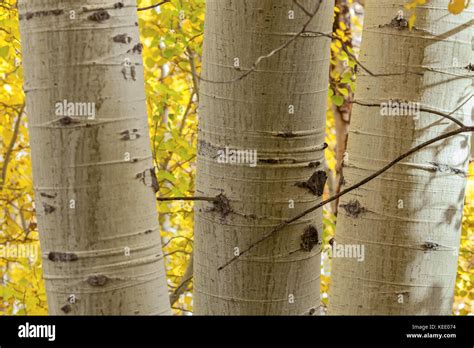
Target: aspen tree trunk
(342, 114)
(277, 110)
(91, 158)
(409, 218)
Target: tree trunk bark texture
(278, 111)
(409, 219)
(91, 156)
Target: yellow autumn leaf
(411, 21)
(457, 6)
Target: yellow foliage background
(172, 39)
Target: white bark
(255, 113)
(95, 205)
(409, 218)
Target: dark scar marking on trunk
(67, 121)
(269, 161)
(62, 257)
(309, 239)
(46, 195)
(286, 135)
(148, 178)
(138, 48)
(221, 205)
(276, 161)
(443, 168)
(48, 209)
(430, 246)
(353, 208)
(97, 280)
(122, 38)
(99, 16)
(399, 22)
(124, 73)
(30, 15)
(316, 183)
(66, 308)
(130, 135)
(314, 164)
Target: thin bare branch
(422, 109)
(349, 189)
(11, 146)
(272, 53)
(178, 251)
(153, 6)
(194, 73)
(168, 199)
(185, 280)
(351, 55)
(177, 237)
(302, 8)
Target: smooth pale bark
(409, 218)
(255, 113)
(95, 205)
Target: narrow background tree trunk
(408, 219)
(93, 175)
(256, 113)
(342, 114)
